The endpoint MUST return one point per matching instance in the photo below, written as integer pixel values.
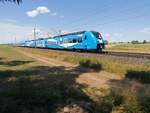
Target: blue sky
(117, 20)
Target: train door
(85, 42)
(90, 42)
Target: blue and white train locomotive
(84, 40)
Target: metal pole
(15, 41)
(35, 37)
(59, 32)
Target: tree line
(15, 1)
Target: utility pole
(15, 41)
(48, 34)
(35, 37)
(59, 32)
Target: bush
(90, 64)
(107, 103)
(141, 76)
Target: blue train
(84, 40)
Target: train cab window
(74, 40)
(79, 40)
(85, 37)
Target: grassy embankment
(120, 66)
(29, 86)
(141, 48)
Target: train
(83, 40)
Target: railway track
(128, 54)
(111, 53)
(105, 53)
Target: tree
(106, 42)
(144, 41)
(135, 42)
(15, 1)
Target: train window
(70, 41)
(65, 41)
(97, 34)
(61, 42)
(74, 40)
(80, 40)
(85, 37)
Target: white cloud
(42, 9)
(32, 13)
(37, 11)
(146, 30)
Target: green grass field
(142, 48)
(118, 66)
(29, 86)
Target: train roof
(75, 33)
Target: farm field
(141, 48)
(47, 81)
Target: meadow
(30, 86)
(142, 48)
(120, 66)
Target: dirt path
(48, 61)
(92, 79)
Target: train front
(100, 41)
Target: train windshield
(97, 34)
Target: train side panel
(85, 41)
(73, 42)
(41, 43)
(65, 42)
(30, 43)
(53, 43)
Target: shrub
(141, 76)
(90, 64)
